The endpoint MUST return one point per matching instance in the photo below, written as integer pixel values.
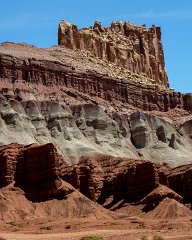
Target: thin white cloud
(167, 14)
(34, 20)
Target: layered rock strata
(49, 68)
(180, 180)
(77, 128)
(109, 180)
(9, 157)
(38, 170)
(33, 169)
(84, 104)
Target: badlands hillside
(92, 135)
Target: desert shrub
(92, 238)
(158, 238)
(46, 228)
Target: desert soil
(133, 229)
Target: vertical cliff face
(90, 102)
(33, 168)
(104, 178)
(180, 180)
(129, 46)
(9, 156)
(36, 172)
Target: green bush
(92, 238)
(158, 238)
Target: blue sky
(35, 22)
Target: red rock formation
(180, 180)
(85, 75)
(38, 170)
(127, 45)
(9, 157)
(158, 194)
(91, 89)
(169, 209)
(125, 91)
(32, 168)
(188, 102)
(163, 170)
(101, 178)
(109, 180)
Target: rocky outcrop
(180, 180)
(107, 180)
(101, 100)
(9, 157)
(33, 169)
(129, 46)
(50, 75)
(38, 172)
(38, 169)
(160, 138)
(85, 104)
(158, 194)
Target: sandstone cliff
(60, 68)
(38, 170)
(33, 169)
(93, 121)
(109, 180)
(84, 103)
(116, 181)
(133, 47)
(180, 180)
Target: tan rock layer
(129, 46)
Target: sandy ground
(106, 234)
(180, 229)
